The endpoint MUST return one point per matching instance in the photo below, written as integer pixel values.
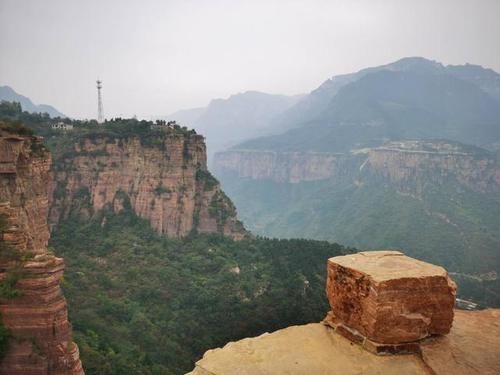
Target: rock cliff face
(32, 306)
(291, 167)
(408, 165)
(166, 182)
(411, 165)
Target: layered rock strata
(389, 298)
(166, 182)
(407, 165)
(290, 167)
(411, 165)
(32, 306)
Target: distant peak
(415, 63)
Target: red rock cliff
(166, 182)
(32, 306)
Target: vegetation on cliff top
(149, 132)
(15, 127)
(146, 304)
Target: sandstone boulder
(389, 298)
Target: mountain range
(158, 267)
(400, 156)
(358, 109)
(226, 122)
(8, 94)
(410, 98)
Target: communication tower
(100, 110)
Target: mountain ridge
(386, 104)
(7, 93)
(227, 121)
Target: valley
(164, 262)
(402, 156)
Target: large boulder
(389, 298)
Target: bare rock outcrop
(290, 167)
(389, 298)
(471, 348)
(166, 182)
(411, 165)
(386, 296)
(406, 165)
(32, 306)
(302, 350)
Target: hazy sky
(156, 57)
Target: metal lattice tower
(100, 110)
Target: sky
(156, 57)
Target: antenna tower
(100, 111)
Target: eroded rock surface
(309, 349)
(166, 182)
(406, 165)
(471, 348)
(35, 311)
(291, 167)
(390, 298)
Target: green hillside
(448, 225)
(145, 304)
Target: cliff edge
(33, 310)
(383, 303)
(316, 349)
(161, 174)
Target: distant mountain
(186, 117)
(226, 122)
(487, 79)
(8, 94)
(318, 100)
(371, 159)
(411, 98)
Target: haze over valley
(267, 187)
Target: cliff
(164, 180)
(411, 165)
(290, 167)
(32, 306)
(408, 165)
